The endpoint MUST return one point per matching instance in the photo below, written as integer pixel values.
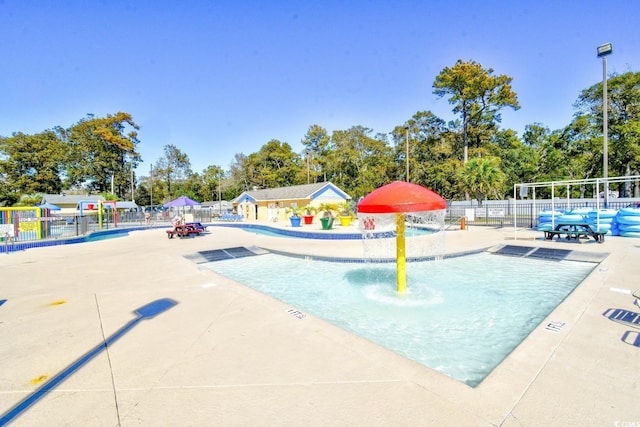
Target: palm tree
(482, 176)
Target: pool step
(548, 253)
(222, 254)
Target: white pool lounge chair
(636, 295)
(625, 317)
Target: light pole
(151, 188)
(603, 51)
(407, 150)
(133, 195)
(219, 195)
(308, 155)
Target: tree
(358, 163)
(240, 173)
(518, 160)
(431, 162)
(32, 163)
(476, 94)
(482, 177)
(172, 169)
(100, 152)
(316, 142)
(624, 121)
(275, 165)
(212, 185)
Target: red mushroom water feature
(400, 197)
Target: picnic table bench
(575, 231)
(185, 230)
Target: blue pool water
(461, 316)
(95, 237)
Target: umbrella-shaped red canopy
(400, 196)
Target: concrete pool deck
(228, 355)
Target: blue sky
(217, 78)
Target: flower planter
(295, 221)
(308, 219)
(345, 221)
(327, 223)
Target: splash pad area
(460, 316)
(454, 317)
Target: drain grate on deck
(222, 254)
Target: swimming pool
(98, 236)
(460, 316)
(92, 237)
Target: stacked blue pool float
(628, 222)
(607, 219)
(545, 219)
(573, 216)
(589, 216)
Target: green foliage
(29, 200)
(295, 211)
(358, 163)
(32, 163)
(211, 183)
(477, 95)
(482, 177)
(88, 154)
(316, 142)
(328, 210)
(275, 165)
(172, 170)
(309, 210)
(100, 149)
(623, 96)
(109, 196)
(346, 208)
(518, 161)
(431, 153)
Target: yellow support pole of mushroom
(401, 257)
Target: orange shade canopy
(400, 196)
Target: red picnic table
(185, 230)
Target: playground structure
(33, 221)
(36, 222)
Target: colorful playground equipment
(35, 222)
(31, 223)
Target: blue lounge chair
(625, 317)
(631, 338)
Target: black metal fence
(490, 213)
(525, 212)
(64, 226)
